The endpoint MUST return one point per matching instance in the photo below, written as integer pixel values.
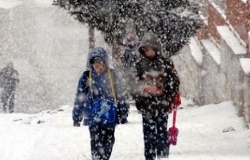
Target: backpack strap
(90, 83)
(110, 80)
(111, 84)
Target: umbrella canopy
(173, 21)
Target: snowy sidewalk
(50, 135)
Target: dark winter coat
(9, 78)
(101, 88)
(160, 72)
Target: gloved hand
(77, 124)
(152, 90)
(176, 102)
(170, 109)
(177, 99)
(124, 120)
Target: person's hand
(152, 90)
(76, 124)
(177, 99)
(170, 109)
(176, 102)
(124, 121)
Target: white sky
(8, 4)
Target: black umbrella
(173, 21)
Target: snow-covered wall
(213, 79)
(200, 72)
(232, 51)
(245, 64)
(222, 74)
(190, 74)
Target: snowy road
(46, 136)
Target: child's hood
(150, 39)
(98, 52)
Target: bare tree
(91, 37)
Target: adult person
(9, 79)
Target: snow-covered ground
(49, 135)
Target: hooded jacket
(158, 71)
(85, 95)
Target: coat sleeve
(172, 81)
(80, 104)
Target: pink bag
(173, 131)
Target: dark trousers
(102, 142)
(155, 131)
(7, 99)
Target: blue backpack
(104, 110)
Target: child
(157, 84)
(99, 82)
